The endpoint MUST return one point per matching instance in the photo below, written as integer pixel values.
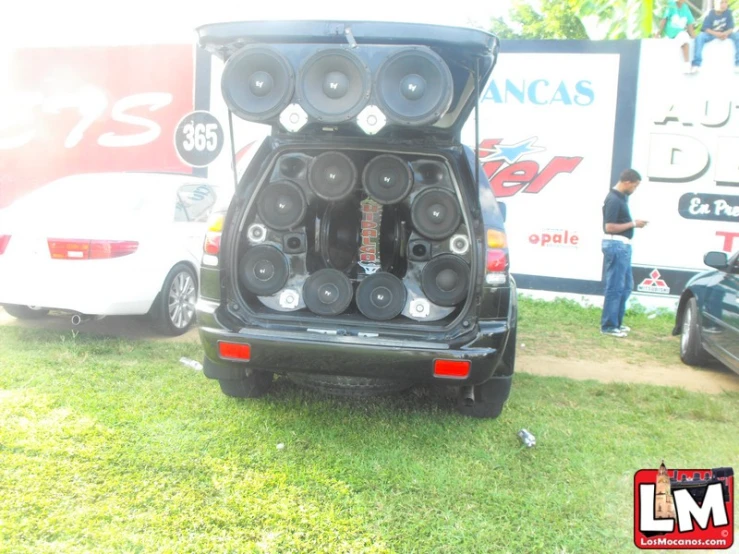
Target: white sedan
(108, 244)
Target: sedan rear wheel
(691, 349)
(175, 309)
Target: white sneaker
(687, 68)
(736, 69)
(695, 69)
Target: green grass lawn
(109, 445)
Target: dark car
(363, 249)
(708, 313)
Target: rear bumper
(96, 288)
(354, 356)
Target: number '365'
(200, 136)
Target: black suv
(363, 249)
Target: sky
(82, 22)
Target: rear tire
(173, 311)
(256, 383)
(25, 312)
(490, 397)
(691, 349)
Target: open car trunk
(313, 246)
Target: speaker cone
(332, 176)
(257, 83)
(445, 280)
(435, 213)
(381, 296)
(387, 179)
(327, 292)
(282, 205)
(333, 85)
(263, 270)
(339, 235)
(419, 250)
(294, 243)
(414, 87)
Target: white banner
(546, 129)
(686, 145)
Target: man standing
(677, 24)
(619, 230)
(719, 23)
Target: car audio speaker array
(304, 245)
(372, 85)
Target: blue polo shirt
(616, 210)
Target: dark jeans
(703, 38)
(619, 283)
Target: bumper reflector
(452, 368)
(234, 351)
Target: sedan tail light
(212, 244)
(71, 249)
(4, 240)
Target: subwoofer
(257, 83)
(263, 270)
(332, 176)
(327, 292)
(387, 179)
(334, 85)
(381, 296)
(445, 280)
(338, 235)
(414, 87)
(282, 205)
(435, 213)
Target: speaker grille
(445, 280)
(435, 213)
(334, 85)
(263, 270)
(327, 292)
(282, 205)
(414, 87)
(381, 296)
(257, 83)
(387, 179)
(332, 176)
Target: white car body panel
(126, 285)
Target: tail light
(497, 258)
(70, 249)
(4, 240)
(212, 244)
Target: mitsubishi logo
(654, 284)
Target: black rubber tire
(339, 385)
(490, 397)
(254, 384)
(691, 349)
(24, 312)
(160, 310)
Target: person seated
(678, 24)
(719, 24)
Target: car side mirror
(502, 207)
(716, 260)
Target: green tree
(582, 19)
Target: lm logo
(684, 509)
(509, 175)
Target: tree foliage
(583, 19)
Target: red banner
(82, 110)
